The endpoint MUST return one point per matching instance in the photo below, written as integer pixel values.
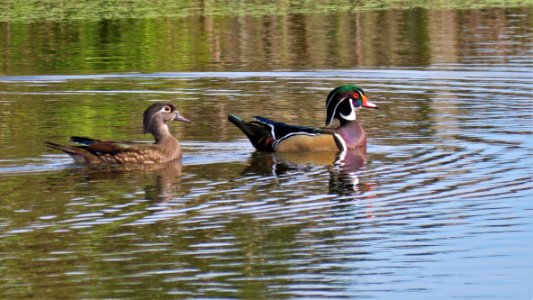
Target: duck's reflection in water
(344, 168)
(160, 182)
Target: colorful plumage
(341, 103)
(165, 148)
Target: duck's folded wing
(281, 130)
(291, 138)
(98, 147)
(83, 140)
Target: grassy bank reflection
(417, 37)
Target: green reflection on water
(28, 11)
(51, 253)
(415, 37)
(84, 241)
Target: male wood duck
(166, 147)
(341, 103)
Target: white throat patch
(332, 117)
(351, 116)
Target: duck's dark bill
(181, 118)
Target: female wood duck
(341, 103)
(166, 147)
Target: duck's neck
(352, 133)
(162, 134)
(167, 143)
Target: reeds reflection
(414, 37)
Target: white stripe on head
(351, 116)
(329, 99)
(332, 117)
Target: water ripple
(443, 195)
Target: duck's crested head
(343, 102)
(159, 114)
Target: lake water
(440, 209)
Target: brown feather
(166, 147)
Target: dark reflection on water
(438, 205)
(167, 177)
(342, 167)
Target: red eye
(355, 95)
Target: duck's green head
(343, 102)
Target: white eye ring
(166, 109)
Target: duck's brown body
(166, 147)
(122, 153)
(342, 103)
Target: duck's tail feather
(64, 148)
(79, 154)
(259, 134)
